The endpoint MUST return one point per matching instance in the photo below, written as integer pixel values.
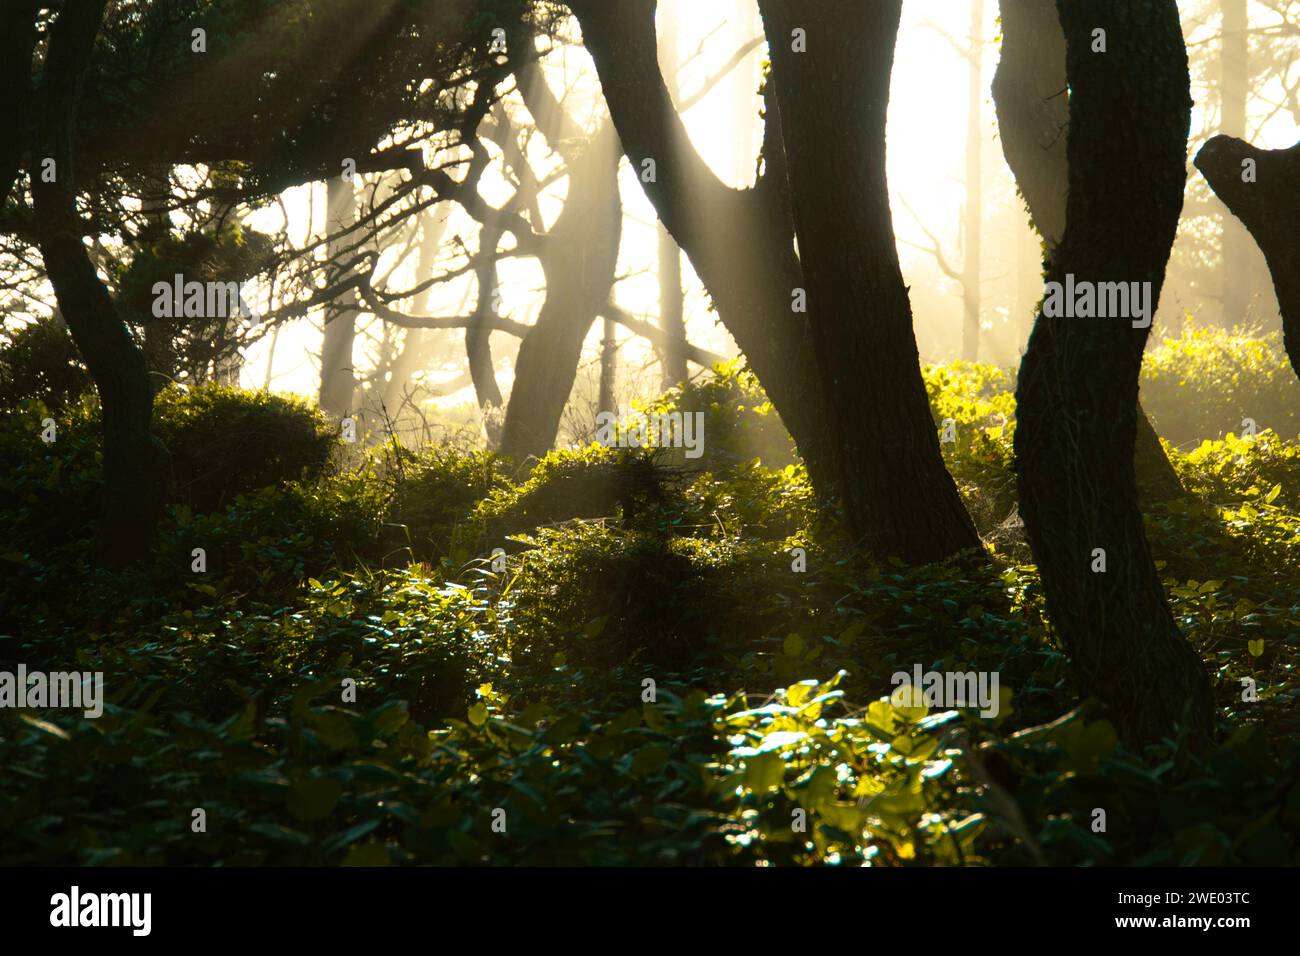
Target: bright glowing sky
(927, 148)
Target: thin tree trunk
(899, 499)
(1130, 110)
(337, 375)
(1234, 93)
(671, 316)
(478, 344)
(607, 400)
(579, 261)
(974, 212)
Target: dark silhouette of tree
(847, 381)
(833, 98)
(1130, 110)
(1033, 109)
(1266, 198)
(134, 469)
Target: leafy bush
(225, 441)
(740, 423)
(40, 361)
(518, 698)
(1204, 383)
(435, 492)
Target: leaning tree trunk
(898, 497)
(579, 260)
(1130, 110)
(134, 461)
(739, 241)
(478, 334)
(1032, 104)
(1261, 187)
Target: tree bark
(134, 461)
(1130, 110)
(740, 241)
(1269, 207)
(578, 260)
(17, 44)
(1033, 109)
(898, 497)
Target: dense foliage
(665, 662)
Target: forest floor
(627, 657)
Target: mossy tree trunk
(1032, 102)
(1130, 110)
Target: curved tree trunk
(478, 336)
(1033, 110)
(579, 260)
(134, 461)
(898, 496)
(1130, 110)
(1268, 204)
(740, 241)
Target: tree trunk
(337, 375)
(134, 461)
(608, 399)
(973, 217)
(740, 241)
(898, 497)
(1234, 94)
(671, 316)
(579, 260)
(1032, 103)
(1130, 110)
(478, 335)
(1269, 206)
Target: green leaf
(314, 798)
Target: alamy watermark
(1099, 300)
(661, 430)
(75, 908)
(947, 689)
(201, 300)
(82, 690)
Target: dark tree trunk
(740, 241)
(1269, 207)
(898, 497)
(1130, 110)
(134, 461)
(579, 260)
(1033, 110)
(17, 43)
